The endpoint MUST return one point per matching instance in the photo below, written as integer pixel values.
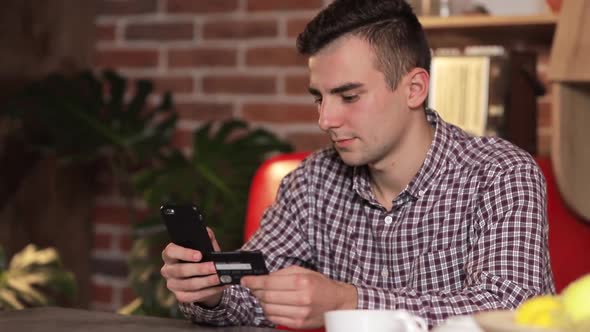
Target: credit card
(233, 265)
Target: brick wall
(221, 59)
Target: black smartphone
(186, 227)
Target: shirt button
(388, 220)
(421, 192)
(384, 273)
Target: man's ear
(419, 81)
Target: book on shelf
(467, 88)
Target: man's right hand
(188, 279)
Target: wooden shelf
(474, 21)
(511, 31)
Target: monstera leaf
(34, 277)
(82, 117)
(216, 176)
(85, 118)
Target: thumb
(293, 269)
(213, 239)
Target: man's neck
(392, 174)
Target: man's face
(365, 119)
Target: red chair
(263, 190)
(569, 234)
(265, 185)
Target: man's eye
(317, 101)
(350, 99)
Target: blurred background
(110, 107)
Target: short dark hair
(390, 26)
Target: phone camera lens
(169, 211)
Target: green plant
(34, 277)
(216, 175)
(84, 119)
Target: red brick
(296, 26)
(160, 31)
(203, 111)
(275, 56)
(105, 32)
(182, 139)
(114, 266)
(113, 215)
(174, 84)
(125, 242)
(240, 29)
(162, 84)
(201, 6)
(308, 141)
(280, 113)
(133, 58)
(128, 295)
(102, 241)
(545, 115)
(195, 57)
(255, 5)
(239, 84)
(102, 293)
(127, 7)
(297, 84)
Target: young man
(404, 211)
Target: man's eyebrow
(345, 87)
(336, 90)
(314, 91)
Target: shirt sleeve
(281, 238)
(508, 263)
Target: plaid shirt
(468, 233)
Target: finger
(174, 253)
(275, 282)
(293, 269)
(187, 270)
(192, 284)
(253, 282)
(292, 298)
(216, 246)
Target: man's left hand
(298, 298)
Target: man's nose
(328, 116)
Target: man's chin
(350, 159)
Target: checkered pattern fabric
(468, 233)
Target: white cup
(373, 321)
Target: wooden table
(53, 319)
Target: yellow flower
(541, 311)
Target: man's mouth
(343, 142)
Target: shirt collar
(435, 163)
(437, 157)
